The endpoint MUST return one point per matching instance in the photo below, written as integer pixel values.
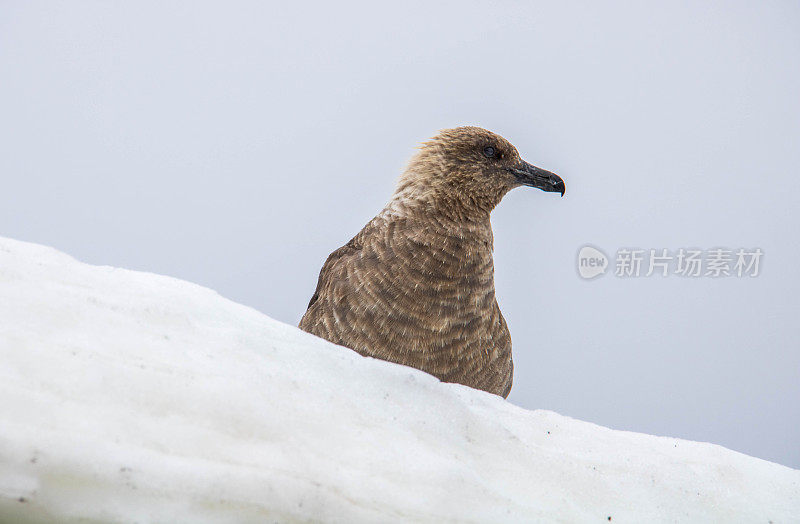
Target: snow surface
(133, 397)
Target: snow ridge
(133, 397)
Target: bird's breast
(438, 274)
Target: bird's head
(470, 168)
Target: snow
(133, 397)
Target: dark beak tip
(558, 185)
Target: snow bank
(132, 397)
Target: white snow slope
(132, 397)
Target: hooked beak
(529, 175)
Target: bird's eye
(489, 152)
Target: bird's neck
(436, 222)
(453, 207)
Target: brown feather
(416, 285)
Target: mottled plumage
(416, 285)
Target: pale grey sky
(235, 144)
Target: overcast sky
(236, 144)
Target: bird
(416, 285)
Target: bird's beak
(529, 175)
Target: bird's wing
(351, 248)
